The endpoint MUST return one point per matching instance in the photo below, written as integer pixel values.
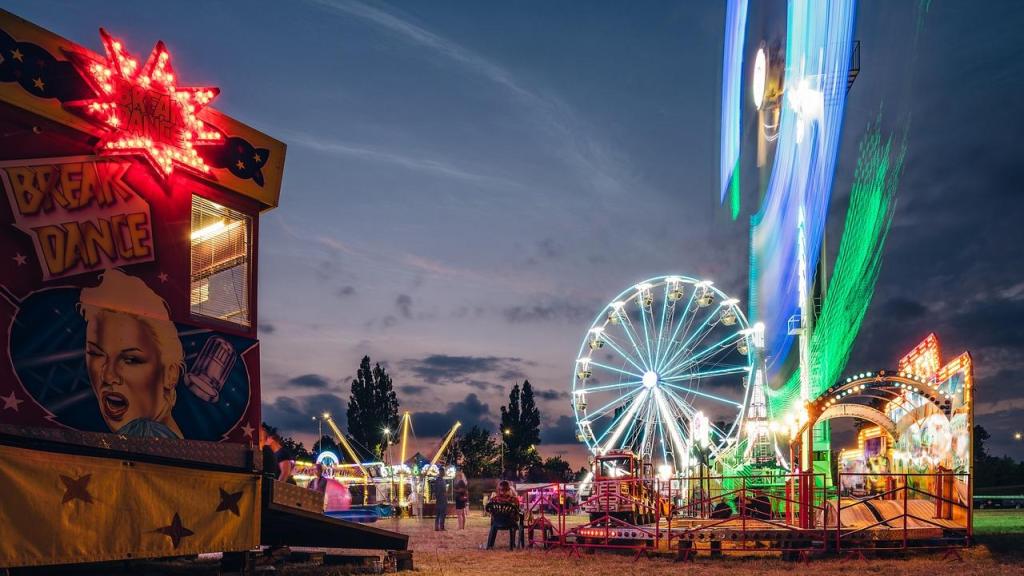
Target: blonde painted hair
(119, 293)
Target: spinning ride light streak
(819, 44)
(662, 355)
(732, 75)
(872, 200)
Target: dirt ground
(456, 552)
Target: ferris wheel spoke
(687, 410)
(590, 389)
(661, 436)
(705, 324)
(614, 369)
(627, 326)
(699, 357)
(647, 429)
(627, 357)
(678, 445)
(647, 336)
(703, 330)
(660, 327)
(627, 437)
(613, 404)
(717, 372)
(623, 420)
(675, 332)
(703, 394)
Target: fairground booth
(130, 369)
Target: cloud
(404, 304)
(414, 161)
(441, 368)
(551, 394)
(559, 310)
(293, 414)
(344, 291)
(902, 309)
(591, 158)
(309, 381)
(992, 322)
(482, 385)
(989, 408)
(549, 248)
(470, 411)
(563, 431)
(266, 328)
(412, 389)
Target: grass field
(998, 522)
(459, 552)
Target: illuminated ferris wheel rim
(658, 366)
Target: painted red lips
(114, 405)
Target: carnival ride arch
(860, 411)
(837, 400)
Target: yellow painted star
(257, 157)
(38, 82)
(17, 55)
(240, 165)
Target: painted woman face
(124, 368)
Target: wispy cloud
(423, 37)
(415, 163)
(591, 158)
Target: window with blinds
(220, 262)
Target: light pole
(319, 432)
(387, 458)
(505, 433)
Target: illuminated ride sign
(145, 110)
(925, 359)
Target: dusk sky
(469, 183)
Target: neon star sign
(145, 111)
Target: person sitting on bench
(504, 511)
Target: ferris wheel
(663, 371)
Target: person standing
(277, 459)
(319, 481)
(461, 493)
(440, 489)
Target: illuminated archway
(863, 412)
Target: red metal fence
(795, 514)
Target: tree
(980, 437)
(992, 473)
(559, 469)
(581, 473)
(520, 426)
(479, 453)
(326, 443)
(372, 407)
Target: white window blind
(220, 262)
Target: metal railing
(795, 514)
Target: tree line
(509, 452)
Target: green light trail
(868, 218)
